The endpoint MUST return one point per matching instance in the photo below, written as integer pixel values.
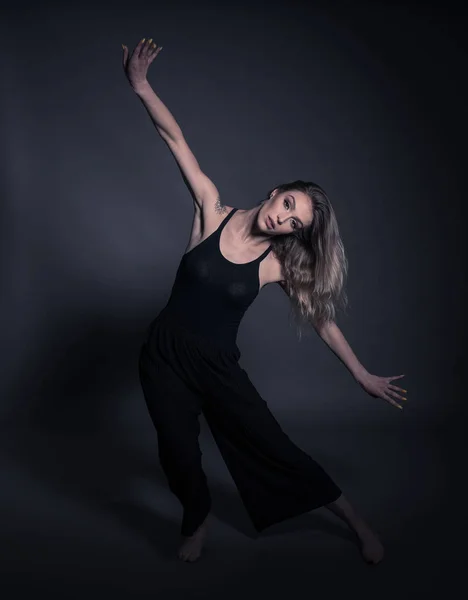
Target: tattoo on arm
(219, 206)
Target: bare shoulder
(271, 270)
(208, 215)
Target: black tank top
(210, 294)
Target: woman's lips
(271, 225)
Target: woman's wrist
(141, 86)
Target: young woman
(188, 362)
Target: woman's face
(289, 211)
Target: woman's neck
(246, 227)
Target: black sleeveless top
(210, 294)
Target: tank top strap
(223, 224)
(226, 219)
(262, 256)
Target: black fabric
(210, 294)
(188, 364)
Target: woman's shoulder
(275, 269)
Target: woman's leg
(175, 410)
(275, 478)
(371, 547)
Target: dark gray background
(366, 99)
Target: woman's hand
(380, 387)
(137, 65)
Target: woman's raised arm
(136, 68)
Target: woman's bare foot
(191, 547)
(372, 549)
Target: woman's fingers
(151, 50)
(395, 388)
(147, 49)
(388, 399)
(140, 47)
(142, 56)
(125, 56)
(154, 52)
(393, 391)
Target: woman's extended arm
(335, 340)
(200, 184)
(163, 120)
(135, 69)
(375, 386)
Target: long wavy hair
(313, 261)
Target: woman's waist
(202, 329)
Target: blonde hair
(313, 260)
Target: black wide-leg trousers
(182, 375)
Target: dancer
(189, 361)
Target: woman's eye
(287, 201)
(295, 223)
